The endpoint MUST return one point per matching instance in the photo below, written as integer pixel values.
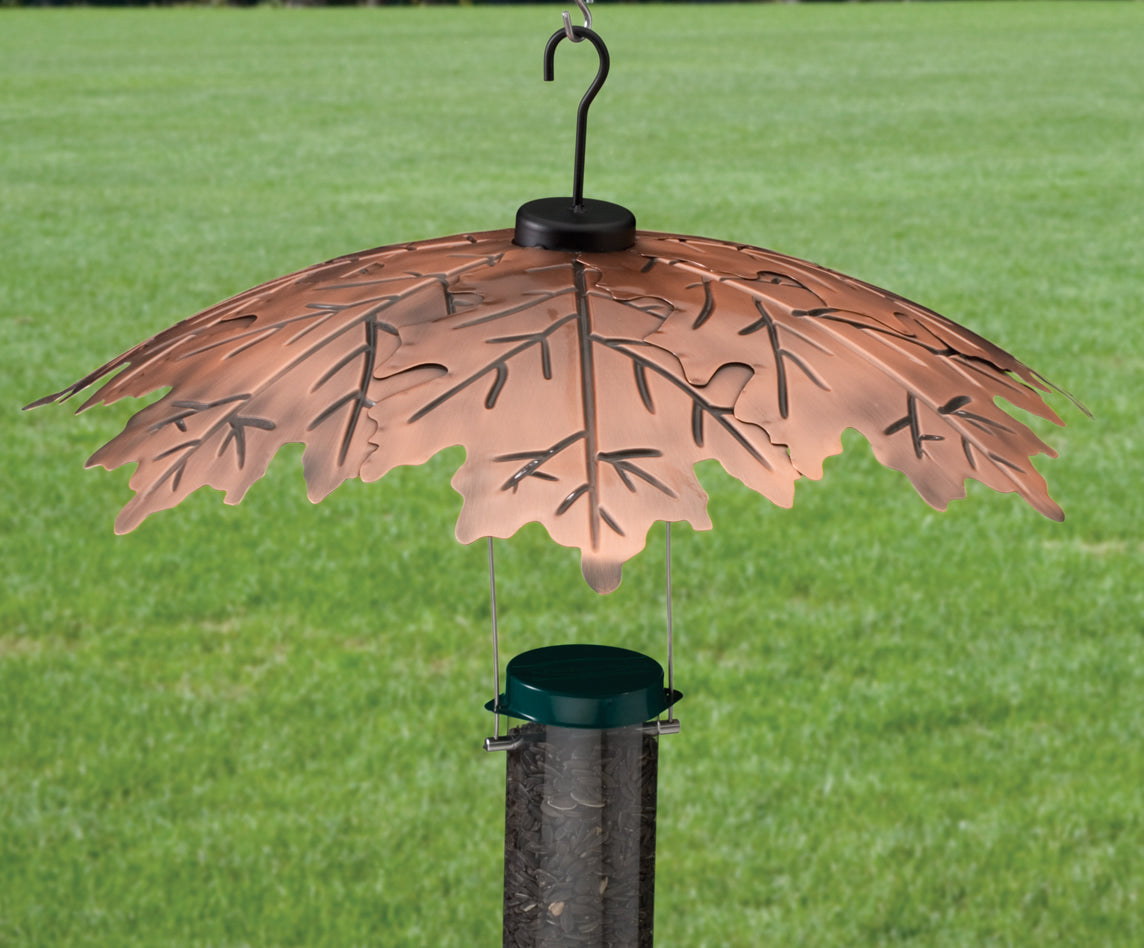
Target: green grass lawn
(261, 725)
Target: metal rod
(583, 5)
(582, 110)
(670, 629)
(496, 641)
(510, 741)
(658, 728)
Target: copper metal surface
(583, 387)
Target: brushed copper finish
(583, 386)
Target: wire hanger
(568, 28)
(576, 224)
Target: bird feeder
(580, 795)
(585, 366)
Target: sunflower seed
(580, 838)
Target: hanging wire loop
(496, 642)
(670, 626)
(582, 110)
(568, 29)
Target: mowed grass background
(261, 725)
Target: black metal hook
(581, 33)
(578, 225)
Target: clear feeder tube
(580, 796)
(579, 854)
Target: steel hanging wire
(568, 31)
(659, 727)
(670, 627)
(496, 642)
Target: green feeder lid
(589, 686)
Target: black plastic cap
(586, 686)
(554, 224)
